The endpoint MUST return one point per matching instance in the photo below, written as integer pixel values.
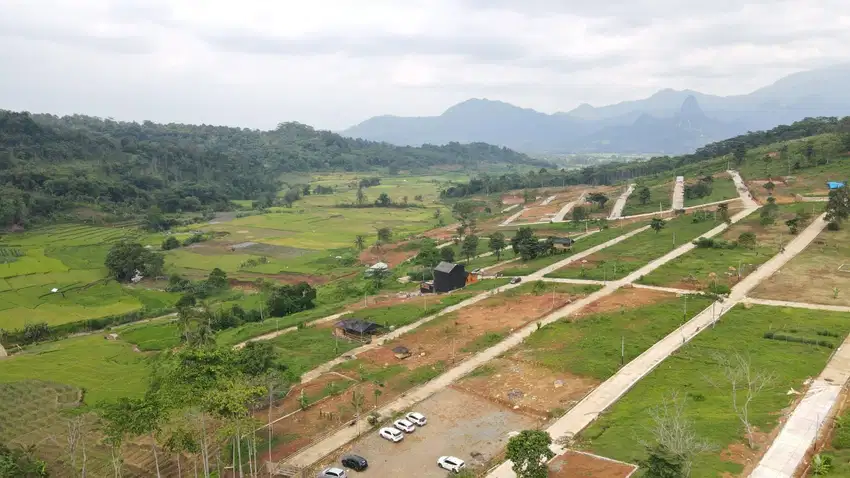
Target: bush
(833, 226)
(170, 243)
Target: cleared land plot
(722, 188)
(693, 270)
(434, 347)
(459, 424)
(573, 464)
(562, 362)
(814, 275)
(696, 375)
(660, 197)
(523, 268)
(537, 213)
(623, 258)
(105, 369)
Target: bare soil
(574, 464)
(623, 298)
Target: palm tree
(359, 242)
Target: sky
(334, 63)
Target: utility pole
(622, 350)
(685, 310)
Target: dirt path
(799, 305)
(672, 290)
(319, 450)
(617, 212)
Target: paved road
(513, 217)
(671, 290)
(617, 211)
(743, 190)
(317, 451)
(799, 305)
(788, 450)
(679, 194)
(552, 268)
(567, 208)
(600, 399)
(546, 201)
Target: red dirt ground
(392, 256)
(578, 465)
(626, 297)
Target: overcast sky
(333, 63)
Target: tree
(657, 224)
(745, 384)
(429, 255)
(644, 195)
(740, 153)
(290, 196)
(723, 209)
(838, 205)
(383, 200)
(793, 225)
(385, 234)
(673, 432)
(217, 279)
(128, 418)
(747, 239)
(291, 298)
(529, 451)
(579, 213)
(359, 242)
(809, 152)
(169, 243)
(125, 258)
(469, 247)
(525, 244)
(361, 196)
(447, 254)
(769, 212)
(662, 463)
(379, 276)
(257, 358)
(21, 463)
(464, 212)
(497, 243)
(305, 190)
(598, 198)
(770, 187)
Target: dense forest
(612, 172)
(50, 164)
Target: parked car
(516, 280)
(451, 463)
(404, 425)
(417, 418)
(332, 473)
(355, 462)
(391, 434)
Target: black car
(355, 462)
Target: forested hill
(734, 149)
(49, 164)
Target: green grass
(722, 188)
(591, 346)
(305, 349)
(152, 337)
(660, 193)
(625, 257)
(696, 375)
(523, 268)
(105, 369)
(248, 331)
(485, 341)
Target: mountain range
(668, 122)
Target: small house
(356, 328)
(401, 352)
(426, 287)
(834, 185)
(449, 276)
(380, 266)
(563, 243)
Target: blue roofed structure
(834, 184)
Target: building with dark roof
(357, 328)
(449, 276)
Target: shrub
(833, 226)
(170, 243)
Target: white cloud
(332, 63)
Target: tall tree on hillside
(809, 153)
(579, 213)
(497, 243)
(469, 248)
(361, 196)
(384, 234)
(125, 258)
(383, 200)
(723, 210)
(740, 153)
(838, 206)
(529, 451)
(644, 195)
(359, 242)
(447, 254)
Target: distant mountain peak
(690, 108)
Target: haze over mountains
(669, 122)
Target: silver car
(332, 472)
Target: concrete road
(799, 305)
(567, 208)
(617, 211)
(679, 193)
(743, 190)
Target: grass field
(692, 269)
(105, 369)
(695, 374)
(658, 194)
(522, 268)
(722, 188)
(630, 255)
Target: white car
(404, 425)
(417, 418)
(451, 463)
(391, 434)
(333, 473)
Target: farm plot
(433, 347)
(806, 181)
(820, 274)
(105, 369)
(459, 424)
(787, 345)
(720, 267)
(625, 257)
(523, 268)
(562, 362)
(660, 197)
(577, 464)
